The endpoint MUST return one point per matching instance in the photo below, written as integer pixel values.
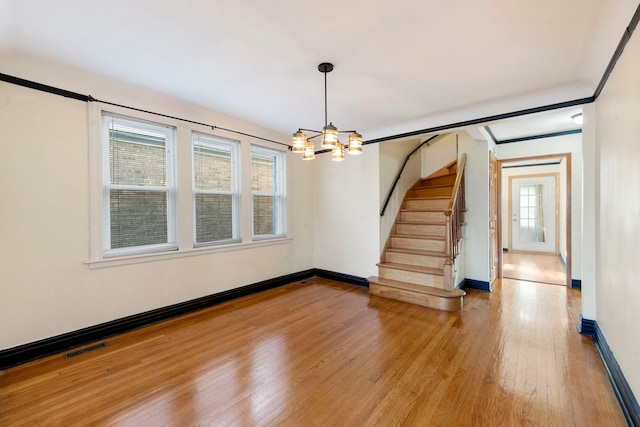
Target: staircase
(417, 262)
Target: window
(162, 188)
(267, 188)
(215, 190)
(138, 187)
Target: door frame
(567, 158)
(556, 207)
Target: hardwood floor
(324, 354)
(534, 267)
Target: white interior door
(533, 214)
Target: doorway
(534, 218)
(533, 209)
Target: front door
(534, 213)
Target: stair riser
(421, 229)
(440, 180)
(431, 301)
(430, 192)
(422, 216)
(412, 277)
(422, 244)
(414, 259)
(427, 204)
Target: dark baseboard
(479, 285)
(576, 284)
(620, 385)
(505, 249)
(57, 344)
(341, 277)
(587, 326)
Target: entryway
(533, 218)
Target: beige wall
(346, 213)
(46, 287)
(392, 156)
(617, 130)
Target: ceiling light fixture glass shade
(338, 153)
(329, 135)
(355, 143)
(309, 151)
(299, 142)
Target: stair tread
(428, 198)
(427, 209)
(422, 222)
(455, 293)
(432, 186)
(418, 236)
(414, 268)
(416, 252)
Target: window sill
(203, 250)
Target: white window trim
(279, 194)
(213, 141)
(169, 189)
(184, 171)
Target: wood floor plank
(325, 353)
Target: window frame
(211, 141)
(97, 259)
(169, 189)
(280, 223)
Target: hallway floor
(533, 267)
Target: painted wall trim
(576, 284)
(620, 385)
(46, 347)
(540, 136)
(479, 285)
(341, 277)
(563, 262)
(587, 327)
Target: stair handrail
(455, 213)
(399, 174)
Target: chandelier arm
(310, 130)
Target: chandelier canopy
(329, 133)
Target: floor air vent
(85, 350)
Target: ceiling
(399, 66)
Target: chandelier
(329, 133)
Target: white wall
(559, 169)
(45, 286)
(589, 212)
(562, 144)
(346, 213)
(617, 130)
(476, 231)
(392, 155)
